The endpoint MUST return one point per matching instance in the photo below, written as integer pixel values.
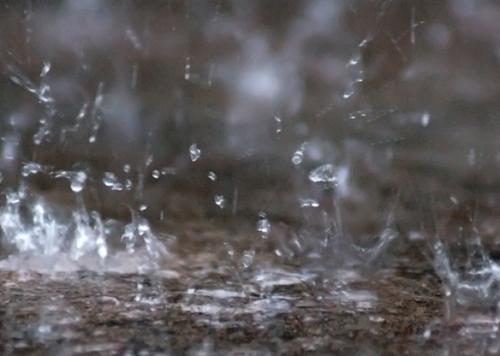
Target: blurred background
(186, 110)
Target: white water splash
(41, 236)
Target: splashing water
(324, 174)
(322, 130)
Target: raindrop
(194, 152)
(149, 160)
(358, 114)
(78, 181)
(156, 174)
(31, 168)
(279, 126)
(298, 156)
(128, 184)
(229, 249)
(111, 181)
(426, 118)
(263, 226)
(168, 170)
(187, 69)
(248, 258)
(348, 93)
(44, 94)
(365, 41)
(324, 174)
(212, 176)
(45, 69)
(126, 168)
(220, 201)
(308, 203)
(353, 61)
(427, 334)
(134, 39)
(413, 26)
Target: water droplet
(298, 156)
(194, 152)
(279, 126)
(149, 160)
(43, 94)
(44, 329)
(348, 93)
(447, 292)
(143, 207)
(156, 174)
(169, 170)
(376, 318)
(264, 227)
(248, 258)
(364, 42)
(358, 114)
(111, 181)
(126, 168)
(426, 118)
(353, 61)
(128, 184)
(78, 180)
(31, 168)
(134, 39)
(102, 251)
(13, 198)
(45, 69)
(229, 249)
(324, 174)
(212, 176)
(427, 333)
(187, 69)
(220, 201)
(308, 203)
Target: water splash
(324, 174)
(35, 230)
(263, 226)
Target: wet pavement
(267, 310)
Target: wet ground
(195, 310)
(212, 302)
